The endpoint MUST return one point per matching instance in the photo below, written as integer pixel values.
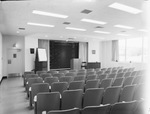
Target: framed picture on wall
(93, 51)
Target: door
(14, 61)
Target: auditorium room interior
(74, 56)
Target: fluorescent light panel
(103, 32)
(123, 26)
(93, 21)
(125, 8)
(72, 28)
(49, 14)
(38, 24)
(123, 34)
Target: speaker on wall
(32, 50)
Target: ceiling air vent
(99, 27)
(86, 11)
(66, 23)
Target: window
(133, 50)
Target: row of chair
(76, 99)
(80, 82)
(110, 95)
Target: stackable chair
(90, 73)
(120, 75)
(137, 80)
(118, 82)
(24, 76)
(139, 92)
(53, 72)
(44, 75)
(71, 99)
(127, 93)
(32, 81)
(68, 111)
(111, 75)
(46, 102)
(106, 83)
(64, 71)
(40, 72)
(51, 80)
(102, 76)
(80, 78)
(133, 73)
(35, 89)
(91, 77)
(66, 79)
(120, 71)
(101, 109)
(128, 81)
(123, 108)
(59, 87)
(93, 97)
(76, 85)
(127, 74)
(58, 75)
(141, 107)
(111, 95)
(29, 76)
(92, 84)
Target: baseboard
(4, 77)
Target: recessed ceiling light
(72, 28)
(18, 32)
(123, 26)
(49, 14)
(143, 30)
(103, 32)
(86, 11)
(38, 24)
(125, 8)
(123, 34)
(93, 21)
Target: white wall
(30, 42)
(0, 56)
(8, 42)
(106, 61)
(94, 45)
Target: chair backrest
(104, 109)
(59, 87)
(33, 81)
(53, 72)
(128, 81)
(102, 76)
(93, 97)
(123, 108)
(80, 78)
(38, 88)
(90, 73)
(51, 80)
(111, 95)
(92, 84)
(44, 75)
(106, 83)
(107, 72)
(69, 111)
(58, 75)
(73, 70)
(141, 107)
(118, 82)
(114, 71)
(47, 102)
(73, 74)
(133, 73)
(64, 71)
(127, 93)
(137, 80)
(111, 75)
(125, 70)
(66, 79)
(71, 99)
(127, 74)
(81, 73)
(100, 72)
(139, 92)
(76, 85)
(90, 70)
(119, 75)
(40, 72)
(91, 77)
(120, 71)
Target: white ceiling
(16, 14)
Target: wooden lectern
(75, 64)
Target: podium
(75, 64)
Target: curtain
(83, 51)
(115, 50)
(45, 45)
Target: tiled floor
(13, 99)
